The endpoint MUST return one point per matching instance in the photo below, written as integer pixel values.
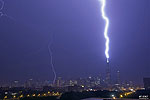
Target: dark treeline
(41, 98)
(83, 95)
(138, 93)
(91, 94)
(79, 95)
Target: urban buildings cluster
(35, 88)
(78, 84)
(88, 83)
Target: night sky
(76, 27)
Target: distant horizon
(113, 82)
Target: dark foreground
(93, 94)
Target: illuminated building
(146, 83)
(118, 77)
(108, 75)
(58, 82)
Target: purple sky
(79, 44)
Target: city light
(14, 96)
(121, 96)
(112, 95)
(39, 95)
(33, 95)
(21, 96)
(5, 97)
(44, 94)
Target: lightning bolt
(51, 60)
(1, 8)
(1, 12)
(103, 2)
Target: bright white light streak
(1, 8)
(51, 61)
(2, 4)
(103, 2)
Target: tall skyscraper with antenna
(108, 74)
(118, 77)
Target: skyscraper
(118, 77)
(146, 83)
(58, 82)
(108, 75)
